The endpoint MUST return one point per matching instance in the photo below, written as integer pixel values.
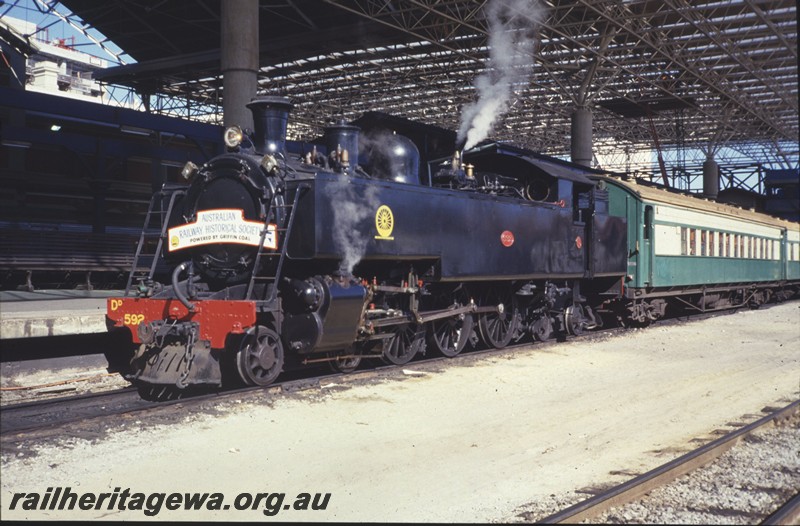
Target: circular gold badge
(175, 241)
(384, 222)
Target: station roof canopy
(701, 74)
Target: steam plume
(350, 212)
(512, 26)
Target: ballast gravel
(743, 486)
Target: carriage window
(721, 244)
(692, 241)
(711, 243)
(727, 245)
(684, 242)
(648, 221)
(703, 241)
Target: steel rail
(60, 412)
(789, 513)
(639, 486)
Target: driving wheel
(259, 360)
(406, 341)
(498, 327)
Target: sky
(45, 14)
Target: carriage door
(646, 250)
(785, 254)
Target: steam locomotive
(344, 255)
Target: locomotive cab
(530, 180)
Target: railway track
(69, 414)
(789, 513)
(51, 416)
(642, 485)
(57, 412)
(48, 416)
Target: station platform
(53, 312)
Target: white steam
(350, 210)
(512, 26)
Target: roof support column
(239, 60)
(581, 136)
(710, 178)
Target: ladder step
(279, 252)
(162, 205)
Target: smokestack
(270, 116)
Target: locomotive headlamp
(233, 136)
(189, 170)
(269, 163)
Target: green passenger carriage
(700, 254)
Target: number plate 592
(133, 319)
